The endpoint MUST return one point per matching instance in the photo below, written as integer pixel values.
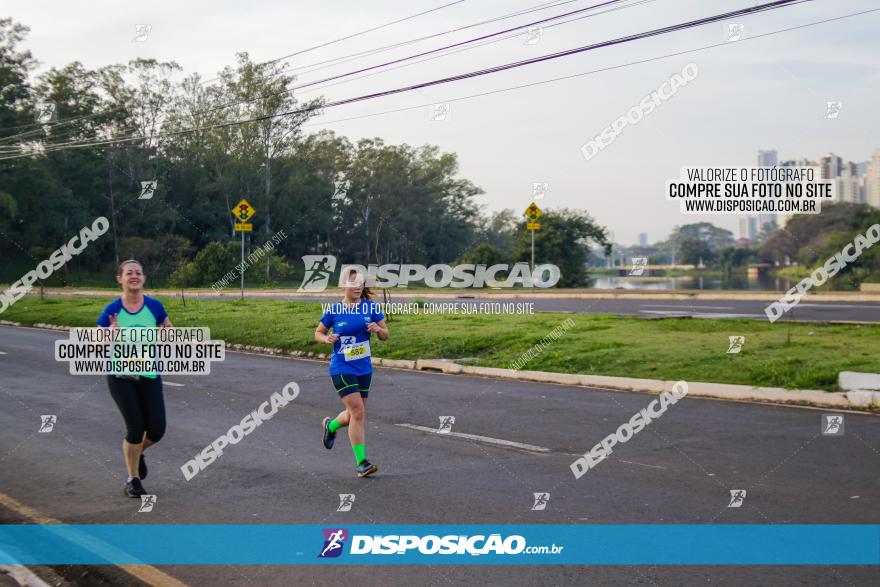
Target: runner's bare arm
(379, 328)
(322, 336)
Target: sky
(757, 93)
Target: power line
(483, 44)
(599, 70)
(411, 57)
(351, 57)
(352, 36)
(620, 40)
(462, 44)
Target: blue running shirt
(151, 315)
(351, 353)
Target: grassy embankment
(805, 356)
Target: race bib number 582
(355, 350)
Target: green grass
(690, 349)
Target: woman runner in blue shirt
(353, 322)
(139, 396)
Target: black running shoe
(329, 437)
(366, 468)
(142, 468)
(134, 488)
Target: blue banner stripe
(263, 544)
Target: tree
(404, 204)
(483, 254)
(694, 252)
(805, 234)
(735, 257)
(716, 239)
(497, 230)
(208, 145)
(263, 93)
(866, 267)
(564, 240)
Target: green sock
(360, 453)
(334, 425)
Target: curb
(849, 400)
(727, 391)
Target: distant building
(744, 228)
(803, 162)
(643, 239)
(753, 228)
(784, 217)
(849, 185)
(872, 180)
(767, 158)
(830, 166)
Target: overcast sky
(754, 94)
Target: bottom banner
(534, 544)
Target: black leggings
(142, 406)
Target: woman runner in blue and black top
(138, 396)
(353, 322)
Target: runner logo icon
(832, 425)
(334, 541)
(736, 344)
(346, 500)
(446, 423)
(541, 500)
(319, 268)
(737, 497)
(47, 423)
(147, 503)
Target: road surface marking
(22, 575)
(172, 384)
(698, 307)
(642, 464)
(723, 315)
(698, 314)
(146, 573)
(853, 306)
(487, 439)
(2, 353)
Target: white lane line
(689, 306)
(486, 439)
(854, 306)
(642, 464)
(172, 384)
(723, 315)
(699, 314)
(2, 353)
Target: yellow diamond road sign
(533, 212)
(243, 211)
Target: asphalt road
(680, 469)
(805, 311)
